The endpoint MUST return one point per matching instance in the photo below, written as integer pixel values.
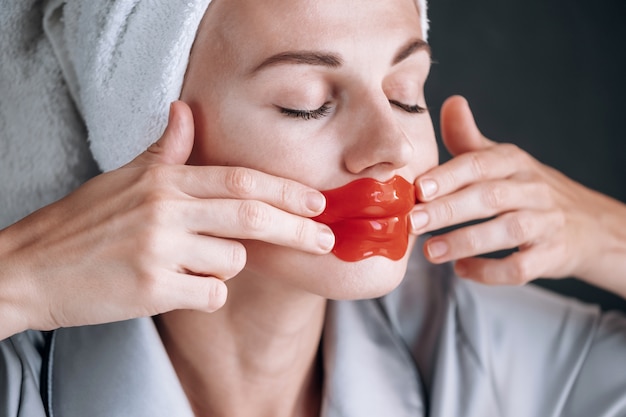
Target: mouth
(369, 218)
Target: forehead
(265, 26)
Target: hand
(559, 227)
(150, 237)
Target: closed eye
(323, 111)
(415, 108)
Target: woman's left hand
(559, 227)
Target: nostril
(384, 152)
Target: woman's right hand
(153, 236)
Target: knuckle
(520, 271)
(446, 212)
(253, 216)
(472, 241)
(519, 228)
(157, 206)
(240, 181)
(516, 154)
(511, 149)
(156, 197)
(478, 165)
(217, 293)
(150, 248)
(147, 284)
(449, 179)
(237, 257)
(543, 193)
(154, 175)
(540, 192)
(547, 194)
(301, 232)
(494, 197)
(147, 247)
(287, 194)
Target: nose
(379, 144)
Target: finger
(174, 146)
(458, 128)
(177, 291)
(251, 219)
(497, 162)
(248, 184)
(210, 256)
(518, 268)
(479, 201)
(504, 232)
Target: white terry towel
(43, 147)
(70, 69)
(84, 86)
(124, 62)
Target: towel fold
(124, 62)
(43, 142)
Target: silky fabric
(437, 346)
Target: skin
(265, 339)
(560, 227)
(238, 119)
(158, 236)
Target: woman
(285, 99)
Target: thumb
(176, 143)
(458, 128)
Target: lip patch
(369, 218)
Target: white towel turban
(124, 75)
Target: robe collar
(123, 369)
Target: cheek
(259, 140)
(426, 152)
(428, 132)
(227, 136)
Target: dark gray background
(546, 75)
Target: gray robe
(437, 346)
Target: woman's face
(323, 93)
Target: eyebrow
(412, 47)
(332, 60)
(324, 59)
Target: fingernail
(437, 249)
(419, 219)
(428, 188)
(326, 239)
(315, 201)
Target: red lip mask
(369, 218)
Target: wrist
(13, 284)
(606, 267)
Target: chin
(326, 275)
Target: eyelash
(416, 109)
(324, 110)
(307, 114)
